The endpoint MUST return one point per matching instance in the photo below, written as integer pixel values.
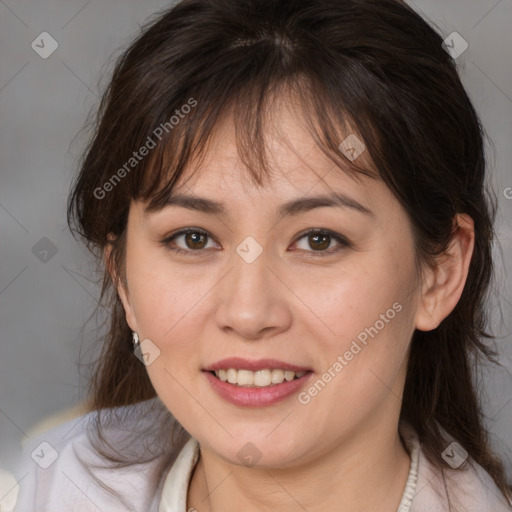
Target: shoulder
(466, 488)
(61, 469)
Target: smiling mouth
(257, 379)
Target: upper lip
(240, 363)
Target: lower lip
(256, 397)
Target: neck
(373, 459)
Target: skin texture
(291, 304)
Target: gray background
(43, 105)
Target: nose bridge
(249, 280)
(250, 301)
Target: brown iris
(194, 237)
(315, 237)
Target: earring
(136, 342)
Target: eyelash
(344, 243)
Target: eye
(320, 239)
(195, 240)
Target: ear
(122, 290)
(443, 285)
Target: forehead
(296, 162)
(301, 177)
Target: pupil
(194, 236)
(326, 242)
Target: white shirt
(419, 494)
(161, 484)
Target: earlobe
(128, 309)
(443, 285)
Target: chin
(258, 450)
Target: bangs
(171, 91)
(251, 106)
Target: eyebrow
(293, 207)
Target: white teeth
(245, 378)
(277, 376)
(289, 376)
(262, 378)
(259, 378)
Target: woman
(288, 198)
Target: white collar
(174, 493)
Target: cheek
(361, 367)
(369, 291)
(163, 296)
(369, 310)
(169, 304)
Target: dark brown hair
(370, 67)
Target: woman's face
(257, 288)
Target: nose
(253, 302)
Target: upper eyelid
(183, 231)
(341, 239)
